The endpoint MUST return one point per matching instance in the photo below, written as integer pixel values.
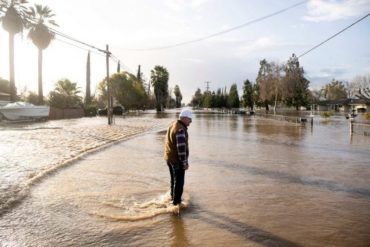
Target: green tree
(295, 84)
(248, 94)
(41, 36)
(223, 99)
(233, 99)
(256, 96)
(13, 22)
(88, 80)
(128, 90)
(336, 90)
(65, 95)
(4, 86)
(218, 99)
(178, 96)
(196, 100)
(139, 75)
(159, 78)
(207, 100)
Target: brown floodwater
(251, 182)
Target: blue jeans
(177, 173)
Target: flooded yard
(251, 182)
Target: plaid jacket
(176, 146)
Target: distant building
(344, 105)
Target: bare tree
(359, 87)
(269, 81)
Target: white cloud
(259, 44)
(198, 3)
(194, 60)
(333, 71)
(323, 10)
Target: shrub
(90, 109)
(30, 97)
(326, 114)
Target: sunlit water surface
(251, 182)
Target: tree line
(275, 83)
(284, 84)
(127, 90)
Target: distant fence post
(351, 126)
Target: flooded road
(251, 182)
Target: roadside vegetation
(275, 85)
(326, 114)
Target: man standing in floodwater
(176, 153)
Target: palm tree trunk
(13, 91)
(41, 96)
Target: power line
(223, 32)
(111, 56)
(76, 40)
(79, 47)
(34, 21)
(117, 60)
(114, 58)
(331, 37)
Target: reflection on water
(178, 235)
(251, 182)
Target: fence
(360, 128)
(355, 127)
(291, 119)
(56, 113)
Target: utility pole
(109, 110)
(207, 87)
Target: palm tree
(13, 22)
(159, 78)
(41, 36)
(65, 95)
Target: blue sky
(131, 26)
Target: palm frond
(52, 22)
(31, 12)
